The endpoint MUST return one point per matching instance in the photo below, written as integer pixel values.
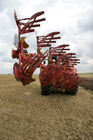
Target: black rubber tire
(17, 67)
(45, 90)
(72, 92)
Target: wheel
(15, 71)
(45, 90)
(72, 92)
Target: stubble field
(27, 115)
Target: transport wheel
(15, 71)
(45, 90)
(72, 92)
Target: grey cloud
(85, 23)
(84, 68)
(82, 47)
(9, 4)
(46, 4)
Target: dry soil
(27, 115)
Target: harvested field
(26, 115)
(87, 75)
(87, 82)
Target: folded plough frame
(60, 72)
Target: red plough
(58, 73)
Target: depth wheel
(45, 90)
(72, 92)
(15, 71)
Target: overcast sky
(73, 18)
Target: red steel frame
(27, 63)
(59, 74)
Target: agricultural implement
(60, 71)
